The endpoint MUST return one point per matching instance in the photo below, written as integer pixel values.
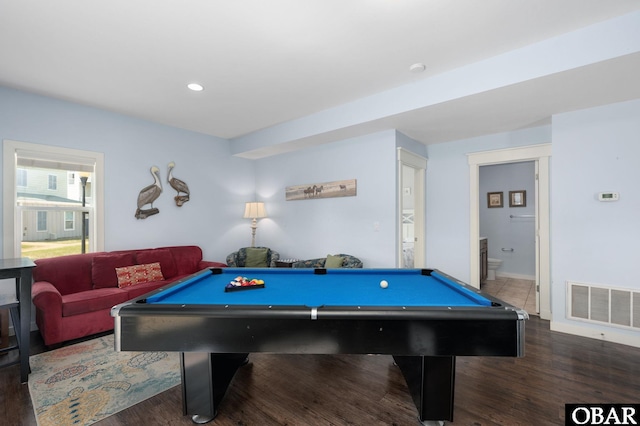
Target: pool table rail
(214, 338)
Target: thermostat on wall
(608, 196)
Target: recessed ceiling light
(195, 87)
(416, 68)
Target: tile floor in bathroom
(517, 292)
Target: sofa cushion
(187, 258)
(92, 300)
(348, 262)
(104, 268)
(69, 274)
(140, 289)
(162, 255)
(333, 261)
(138, 274)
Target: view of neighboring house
(50, 201)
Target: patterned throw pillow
(103, 268)
(138, 274)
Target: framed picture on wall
(494, 199)
(517, 198)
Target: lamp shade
(254, 210)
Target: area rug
(86, 382)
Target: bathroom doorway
(540, 155)
(507, 230)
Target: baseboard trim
(608, 336)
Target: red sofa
(73, 295)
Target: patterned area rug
(84, 383)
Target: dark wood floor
(369, 390)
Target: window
(21, 177)
(53, 182)
(45, 208)
(69, 221)
(41, 221)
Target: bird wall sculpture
(179, 186)
(148, 195)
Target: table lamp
(254, 211)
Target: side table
(285, 263)
(20, 308)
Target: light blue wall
(405, 142)
(314, 228)
(448, 207)
(220, 183)
(497, 225)
(595, 150)
(131, 146)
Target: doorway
(411, 187)
(507, 226)
(540, 154)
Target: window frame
(52, 184)
(11, 221)
(23, 180)
(42, 214)
(72, 220)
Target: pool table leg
(430, 380)
(205, 379)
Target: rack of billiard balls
(244, 283)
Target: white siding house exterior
(51, 203)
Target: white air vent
(614, 306)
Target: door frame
(541, 155)
(419, 163)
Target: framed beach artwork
(339, 188)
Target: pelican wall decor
(148, 195)
(179, 186)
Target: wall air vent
(596, 303)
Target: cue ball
(384, 284)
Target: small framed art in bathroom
(517, 198)
(494, 199)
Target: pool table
(424, 318)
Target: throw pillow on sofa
(103, 269)
(138, 274)
(163, 256)
(333, 261)
(256, 258)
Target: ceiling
(264, 63)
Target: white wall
(595, 242)
(314, 228)
(219, 183)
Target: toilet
(492, 265)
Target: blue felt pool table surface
(338, 287)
